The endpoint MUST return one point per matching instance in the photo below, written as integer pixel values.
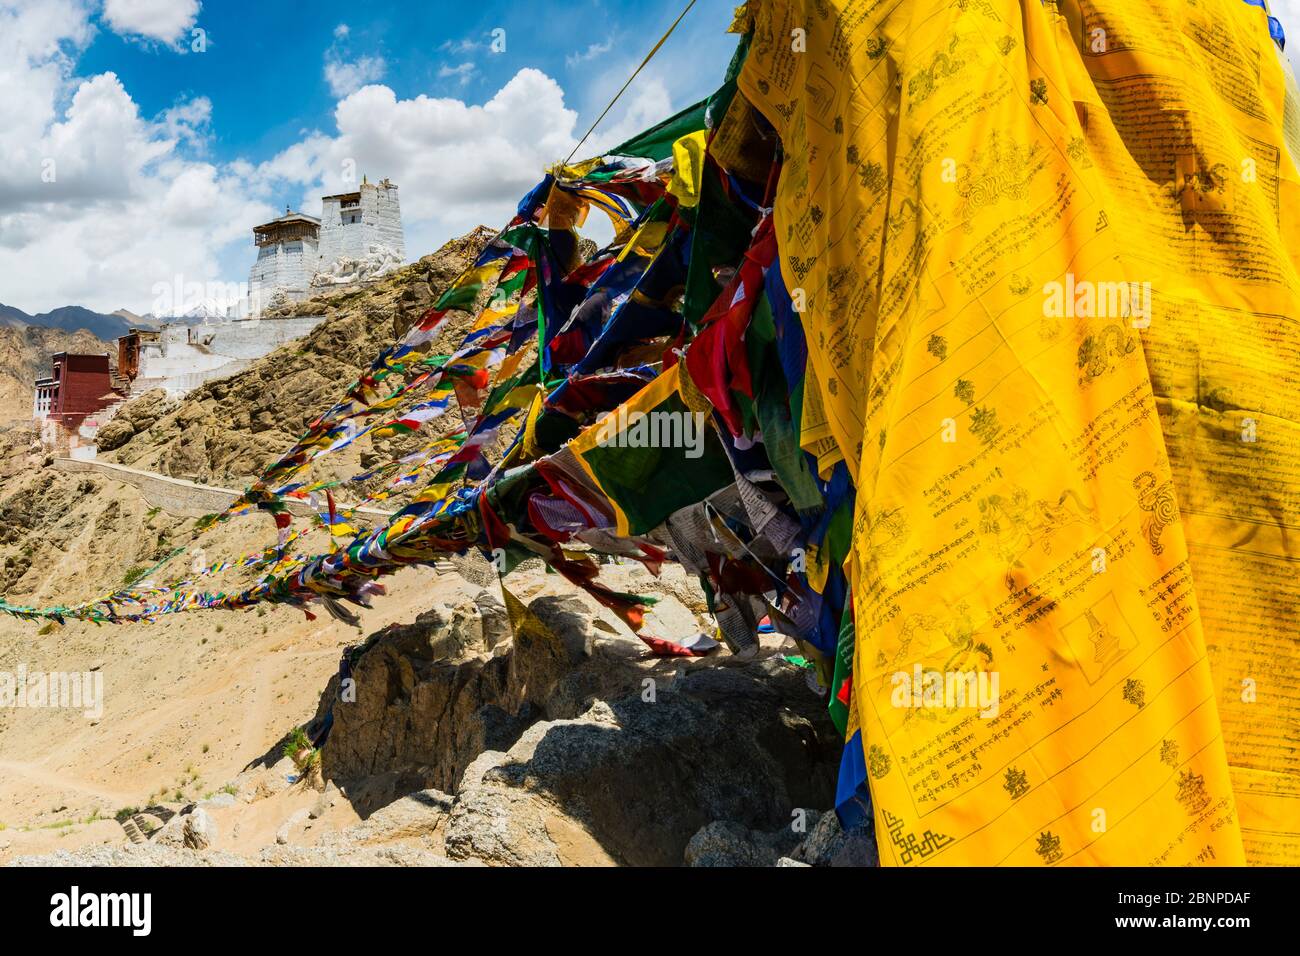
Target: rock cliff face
(568, 744)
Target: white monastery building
(354, 225)
(287, 256)
(358, 238)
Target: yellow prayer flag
(688, 168)
(1049, 255)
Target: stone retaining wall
(176, 495)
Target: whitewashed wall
(184, 357)
(379, 223)
(284, 265)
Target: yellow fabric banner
(688, 169)
(1048, 254)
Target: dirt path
(62, 782)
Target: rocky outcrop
(641, 774)
(829, 844)
(724, 843)
(432, 695)
(132, 418)
(568, 744)
(812, 838)
(113, 435)
(194, 830)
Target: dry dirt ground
(188, 702)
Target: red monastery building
(78, 387)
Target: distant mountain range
(70, 318)
(107, 326)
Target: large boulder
(426, 696)
(503, 827)
(195, 830)
(639, 776)
(142, 412)
(432, 695)
(115, 434)
(812, 838)
(565, 743)
(136, 416)
(829, 844)
(724, 843)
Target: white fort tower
(357, 238)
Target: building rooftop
(384, 183)
(292, 225)
(289, 217)
(57, 356)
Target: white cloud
(346, 77)
(34, 66)
(593, 50)
(98, 203)
(457, 165)
(461, 47)
(133, 205)
(344, 74)
(133, 202)
(462, 73)
(189, 121)
(29, 31)
(646, 103)
(163, 20)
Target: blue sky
(438, 49)
(141, 159)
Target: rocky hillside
(25, 352)
(227, 431)
(67, 538)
